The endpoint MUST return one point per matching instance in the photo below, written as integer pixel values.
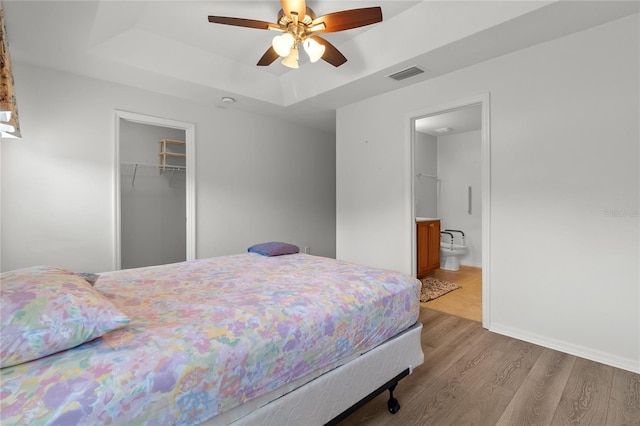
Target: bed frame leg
(393, 404)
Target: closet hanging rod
(154, 166)
(426, 175)
(161, 168)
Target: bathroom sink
(424, 219)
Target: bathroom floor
(465, 302)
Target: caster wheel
(393, 405)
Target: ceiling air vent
(406, 73)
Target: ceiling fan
(299, 26)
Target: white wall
(564, 231)
(459, 166)
(426, 162)
(254, 182)
(152, 204)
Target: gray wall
(459, 166)
(426, 162)
(254, 182)
(565, 187)
(152, 204)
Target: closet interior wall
(152, 203)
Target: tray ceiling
(170, 47)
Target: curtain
(9, 125)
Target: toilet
(452, 248)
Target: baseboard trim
(568, 348)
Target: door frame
(190, 178)
(484, 101)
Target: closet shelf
(170, 149)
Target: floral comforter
(208, 335)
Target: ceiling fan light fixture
(298, 23)
(291, 60)
(314, 49)
(282, 44)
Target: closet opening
(154, 191)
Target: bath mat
(432, 288)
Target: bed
(241, 339)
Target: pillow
(44, 310)
(89, 277)
(273, 249)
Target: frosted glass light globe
(282, 44)
(314, 49)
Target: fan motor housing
(284, 20)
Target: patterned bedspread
(208, 335)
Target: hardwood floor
(474, 377)
(465, 302)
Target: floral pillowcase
(44, 310)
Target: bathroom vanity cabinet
(428, 246)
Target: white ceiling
(459, 120)
(170, 47)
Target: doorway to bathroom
(154, 191)
(450, 181)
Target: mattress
(209, 335)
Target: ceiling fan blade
(241, 22)
(331, 54)
(298, 6)
(269, 56)
(348, 19)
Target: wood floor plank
(444, 331)
(438, 360)
(452, 336)
(483, 405)
(448, 352)
(487, 401)
(536, 400)
(474, 377)
(519, 359)
(624, 402)
(586, 397)
(450, 388)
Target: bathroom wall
(425, 161)
(459, 166)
